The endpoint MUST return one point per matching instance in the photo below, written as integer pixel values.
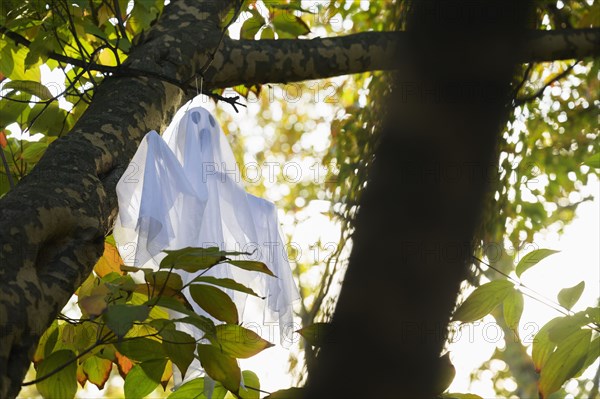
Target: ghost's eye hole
(196, 117)
(212, 120)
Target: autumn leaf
(109, 262)
(124, 364)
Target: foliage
(564, 347)
(84, 40)
(126, 323)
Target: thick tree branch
(290, 60)
(563, 44)
(251, 61)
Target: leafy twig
(534, 294)
(61, 367)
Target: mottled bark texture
(268, 61)
(419, 213)
(53, 223)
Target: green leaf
(483, 300)
(97, 370)
(141, 349)
(180, 348)
(316, 334)
(237, 341)
(461, 396)
(46, 119)
(290, 393)
(192, 259)
(225, 283)
(142, 15)
(11, 111)
(290, 6)
(251, 265)
(46, 343)
(593, 354)
(33, 151)
(288, 25)
(251, 26)
(12, 64)
(162, 277)
(552, 333)
(563, 327)
(250, 381)
(119, 318)
(532, 258)
(512, 308)
(542, 345)
(215, 302)
(28, 86)
(191, 389)
(593, 161)
(565, 362)
(220, 367)
(267, 33)
(62, 384)
(593, 314)
(143, 378)
(568, 297)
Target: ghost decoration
(184, 189)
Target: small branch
(120, 23)
(538, 93)
(526, 75)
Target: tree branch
(565, 44)
(252, 62)
(290, 60)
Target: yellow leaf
(93, 305)
(167, 374)
(109, 262)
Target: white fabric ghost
(184, 190)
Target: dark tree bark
(421, 207)
(52, 225)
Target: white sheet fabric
(184, 189)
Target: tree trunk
(420, 210)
